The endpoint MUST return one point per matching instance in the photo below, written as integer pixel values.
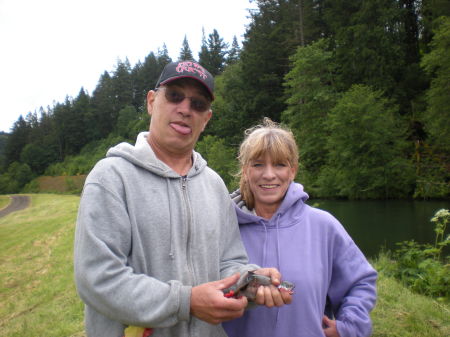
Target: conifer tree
(122, 87)
(163, 57)
(217, 52)
(233, 52)
(185, 52)
(204, 55)
(18, 139)
(269, 41)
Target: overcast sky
(52, 48)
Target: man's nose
(184, 107)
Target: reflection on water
(383, 223)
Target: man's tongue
(184, 130)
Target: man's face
(176, 122)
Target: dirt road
(18, 202)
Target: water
(382, 223)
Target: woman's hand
(271, 296)
(330, 329)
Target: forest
(364, 86)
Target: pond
(382, 223)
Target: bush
(425, 268)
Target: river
(377, 224)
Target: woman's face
(268, 181)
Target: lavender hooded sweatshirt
(312, 249)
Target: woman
(308, 245)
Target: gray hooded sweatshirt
(145, 236)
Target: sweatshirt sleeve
(105, 281)
(234, 256)
(352, 288)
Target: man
(157, 238)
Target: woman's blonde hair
(267, 138)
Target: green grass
(38, 297)
(402, 313)
(37, 293)
(4, 201)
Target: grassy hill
(38, 297)
(37, 294)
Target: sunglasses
(175, 96)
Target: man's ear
(150, 101)
(207, 118)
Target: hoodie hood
(294, 195)
(142, 155)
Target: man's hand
(270, 295)
(210, 305)
(330, 329)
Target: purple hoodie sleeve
(352, 288)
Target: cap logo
(191, 67)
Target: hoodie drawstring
(277, 224)
(171, 253)
(265, 244)
(278, 241)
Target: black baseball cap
(187, 69)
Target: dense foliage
(424, 268)
(364, 85)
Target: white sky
(52, 48)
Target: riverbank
(399, 312)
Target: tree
(18, 139)
(311, 95)
(229, 120)
(220, 158)
(308, 20)
(433, 154)
(103, 106)
(185, 52)
(163, 57)
(127, 118)
(137, 80)
(47, 136)
(217, 52)
(367, 157)
(70, 118)
(35, 157)
(429, 11)
(376, 43)
(213, 53)
(3, 141)
(144, 78)
(437, 64)
(203, 55)
(122, 88)
(17, 176)
(233, 53)
(269, 41)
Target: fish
(248, 285)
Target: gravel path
(18, 202)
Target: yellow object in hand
(137, 331)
